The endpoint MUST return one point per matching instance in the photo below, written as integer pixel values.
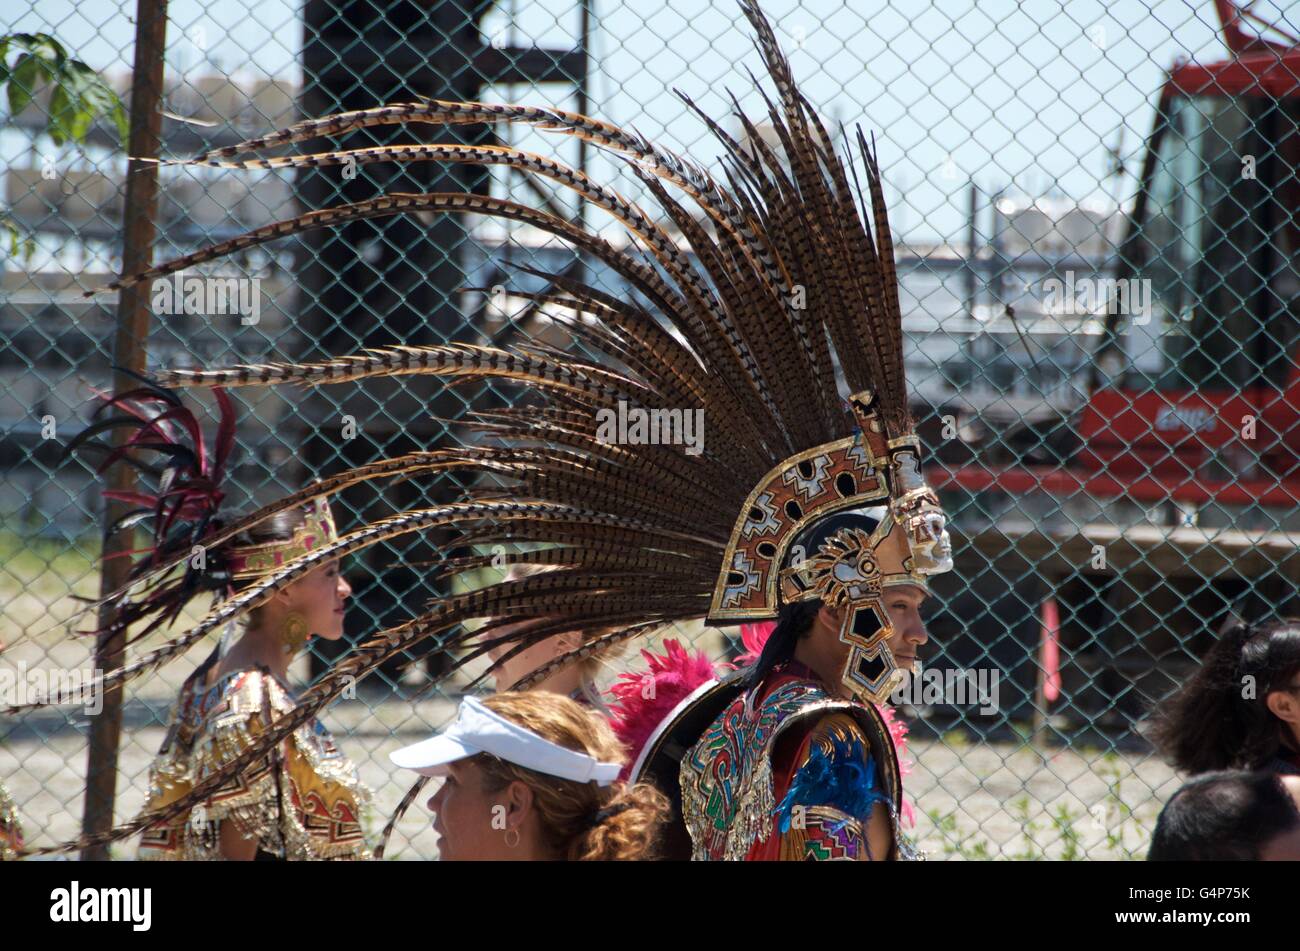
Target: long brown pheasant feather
(777, 277)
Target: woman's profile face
(470, 822)
(321, 597)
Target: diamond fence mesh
(1095, 211)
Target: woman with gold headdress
(301, 800)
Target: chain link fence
(1095, 211)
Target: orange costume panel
(304, 805)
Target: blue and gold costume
(788, 772)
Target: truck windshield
(1218, 241)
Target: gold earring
(294, 633)
(509, 844)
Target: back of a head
(583, 821)
(1219, 719)
(1225, 816)
(589, 666)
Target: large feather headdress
(786, 282)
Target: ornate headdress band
(851, 473)
(316, 531)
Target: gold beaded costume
(299, 799)
(11, 832)
(302, 804)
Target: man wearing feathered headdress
(804, 502)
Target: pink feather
(754, 636)
(643, 700)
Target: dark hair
(1212, 722)
(792, 624)
(1226, 816)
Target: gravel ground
(1014, 801)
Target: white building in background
(1056, 225)
(57, 345)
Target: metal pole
(584, 105)
(972, 251)
(129, 349)
(583, 96)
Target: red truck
(1173, 493)
(1198, 402)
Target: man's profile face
(903, 605)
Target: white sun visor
(478, 730)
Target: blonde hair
(581, 821)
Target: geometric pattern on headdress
(850, 473)
(316, 531)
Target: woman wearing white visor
(534, 777)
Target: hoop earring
(294, 633)
(515, 843)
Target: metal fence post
(129, 352)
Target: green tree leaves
(80, 95)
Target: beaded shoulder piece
(11, 833)
(728, 801)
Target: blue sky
(1022, 95)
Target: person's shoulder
(835, 730)
(248, 690)
(789, 692)
(798, 705)
(833, 767)
(839, 729)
